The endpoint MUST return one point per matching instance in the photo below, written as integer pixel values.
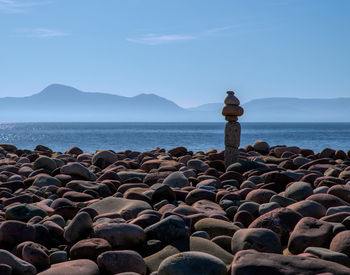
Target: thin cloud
(221, 29)
(158, 39)
(41, 33)
(17, 6)
(153, 39)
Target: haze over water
(195, 136)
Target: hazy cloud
(40, 33)
(19, 6)
(157, 39)
(153, 39)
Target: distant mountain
(284, 109)
(63, 103)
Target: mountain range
(66, 104)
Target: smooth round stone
(260, 239)
(341, 191)
(192, 263)
(74, 150)
(341, 243)
(119, 205)
(224, 242)
(215, 227)
(104, 158)
(261, 146)
(281, 220)
(113, 262)
(18, 266)
(120, 235)
(167, 230)
(207, 246)
(198, 165)
(299, 161)
(8, 147)
(309, 232)
(251, 207)
(54, 229)
(260, 195)
(15, 232)
(250, 262)
(127, 175)
(83, 185)
(298, 191)
(248, 184)
(77, 196)
(24, 212)
(244, 166)
(256, 179)
(208, 208)
(161, 192)
(89, 248)
(153, 261)
(46, 180)
(328, 255)
(45, 163)
(338, 227)
(201, 234)
(327, 200)
(267, 207)
(309, 208)
(176, 179)
(199, 194)
(33, 254)
(214, 183)
(243, 217)
(78, 228)
(337, 209)
(75, 267)
(145, 220)
(232, 111)
(77, 169)
(282, 201)
(321, 190)
(231, 99)
(58, 257)
(57, 219)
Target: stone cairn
(232, 111)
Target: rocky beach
(279, 210)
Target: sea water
(194, 136)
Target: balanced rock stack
(232, 111)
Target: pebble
(260, 239)
(192, 263)
(282, 209)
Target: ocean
(194, 136)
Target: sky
(189, 51)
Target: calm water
(194, 136)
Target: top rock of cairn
(232, 110)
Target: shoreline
(174, 212)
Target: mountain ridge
(64, 103)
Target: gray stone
(298, 191)
(78, 228)
(250, 262)
(18, 266)
(260, 239)
(167, 230)
(192, 263)
(329, 255)
(176, 179)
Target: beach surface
(279, 210)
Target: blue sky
(189, 51)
